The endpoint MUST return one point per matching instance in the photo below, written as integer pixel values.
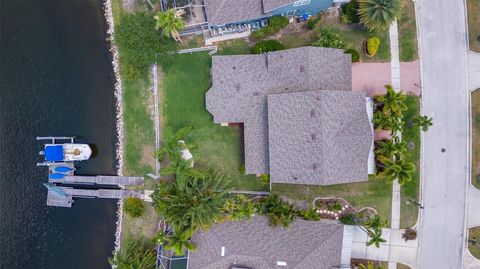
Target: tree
(375, 237)
(134, 207)
(422, 121)
(391, 147)
(239, 208)
(382, 121)
(378, 15)
(375, 222)
(330, 38)
(393, 102)
(397, 169)
(179, 241)
(197, 204)
(171, 23)
(134, 256)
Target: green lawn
(142, 229)
(185, 82)
(411, 134)
(373, 193)
(407, 32)
(476, 138)
(473, 13)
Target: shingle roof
(220, 12)
(241, 84)
(269, 5)
(254, 244)
(318, 137)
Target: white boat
(68, 152)
(64, 152)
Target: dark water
(55, 79)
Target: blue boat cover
(56, 176)
(54, 153)
(62, 169)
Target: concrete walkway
(473, 70)
(442, 40)
(395, 249)
(156, 117)
(395, 55)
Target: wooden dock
(54, 199)
(100, 180)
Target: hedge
(266, 46)
(275, 24)
(355, 55)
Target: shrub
(330, 38)
(134, 207)
(312, 22)
(265, 178)
(242, 169)
(348, 219)
(410, 234)
(140, 44)
(278, 211)
(349, 12)
(266, 46)
(310, 214)
(275, 24)
(355, 55)
(373, 43)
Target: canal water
(55, 79)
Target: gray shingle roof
(241, 84)
(269, 5)
(318, 137)
(305, 245)
(220, 12)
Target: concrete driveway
(371, 78)
(442, 37)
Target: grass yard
(373, 193)
(473, 13)
(185, 82)
(142, 229)
(407, 32)
(474, 233)
(411, 134)
(355, 35)
(476, 138)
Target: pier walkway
(54, 199)
(101, 180)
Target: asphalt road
(442, 35)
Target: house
(302, 122)
(256, 245)
(226, 12)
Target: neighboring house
(256, 245)
(227, 12)
(302, 122)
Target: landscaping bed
(475, 106)
(474, 242)
(335, 208)
(473, 14)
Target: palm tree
(134, 256)
(239, 208)
(196, 204)
(393, 102)
(278, 211)
(375, 237)
(171, 147)
(375, 222)
(179, 241)
(423, 121)
(391, 147)
(382, 121)
(378, 15)
(397, 169)
(171, 23)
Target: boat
(64, 152)
(63, 169)
(56, 176)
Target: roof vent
(234, 67)
(314, 137)
(256, 93)
(302, 68)
(238, 87)
(312, 113)
(223, 251)
(281, 263)
(315, 166)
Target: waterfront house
(302, 122)
(256, 245)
